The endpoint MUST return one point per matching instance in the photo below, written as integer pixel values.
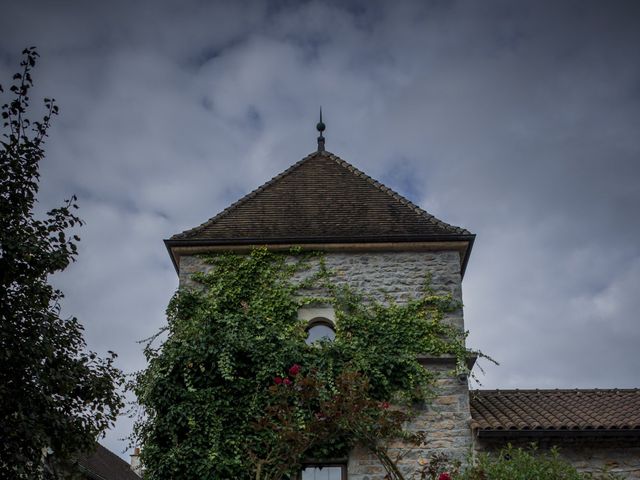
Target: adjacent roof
(103, 464)
(528, 411)
(321, 199)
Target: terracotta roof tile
(585, 410)
(322, 197)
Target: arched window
(320, 328)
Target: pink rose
(294, 370)
(277, 380)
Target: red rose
(444, 476)
(286, 381)
(277, 380)
(294, 370)
(385, 405)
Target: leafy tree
(55, 397)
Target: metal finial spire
(320, 127)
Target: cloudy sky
(517, 120)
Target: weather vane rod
(321, 127)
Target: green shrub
(519, 464)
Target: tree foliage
(55, 397)
(235, 392)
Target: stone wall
(446, 421)
(400, 276)
(588, 454)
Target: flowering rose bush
(437, 467)
(315, 415)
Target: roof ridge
(103, 457)
(112, 454)
(395, 195)
(248, 196)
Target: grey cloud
(517, 121)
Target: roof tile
(322, 197)
(524, 410)
(104, 464)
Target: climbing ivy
(234, 380)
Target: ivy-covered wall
(446, 422)
(398, 276)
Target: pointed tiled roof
(527, 411)
(322, 198)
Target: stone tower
(374, 239)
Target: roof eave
(168, 244)
(557, 433)
(467, 238)
(467, 254)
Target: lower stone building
(593, 429)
